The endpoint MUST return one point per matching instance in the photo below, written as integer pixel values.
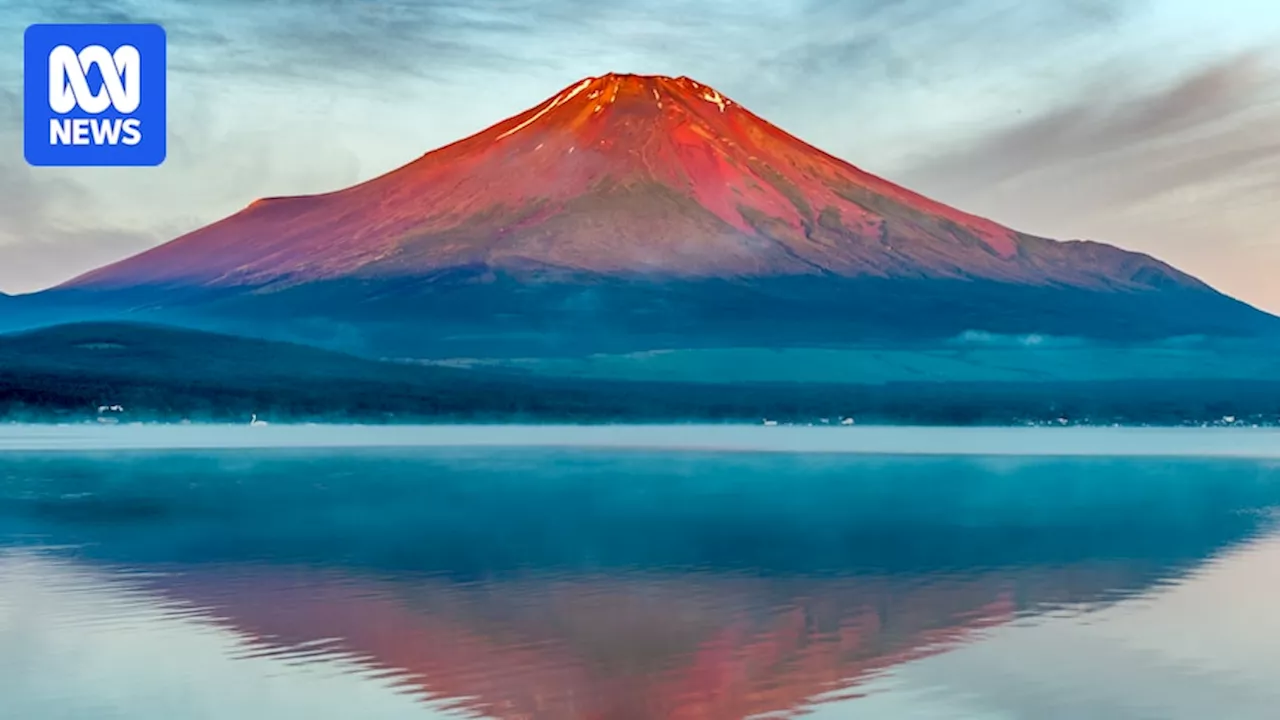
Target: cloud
(340, 41)
(1217, 122)
(353, 41)
(770, 50)
(330, 40)
(1188, 171)
(38, 246)
(841, 37)
(58, 222)
(36, 241)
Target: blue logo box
(94, 95)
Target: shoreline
(1008, 441)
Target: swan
(256, 422)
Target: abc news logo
(95, 95)
(69, 89)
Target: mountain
(187, 355)
(776, 663)
(167, 373)
(643, 206)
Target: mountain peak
(622, 175)
(659, 84)
(589, 101)
(626, 205)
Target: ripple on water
(545, 583)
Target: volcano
(648, 206)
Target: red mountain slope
(624, 175)
(598, 650)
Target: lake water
(635, 573)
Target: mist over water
(878, 440)
(500, 572)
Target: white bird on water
(256, 422)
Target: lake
(638, 572)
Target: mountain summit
(622, 174)
(680, 200)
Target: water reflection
(562, 584)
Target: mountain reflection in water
(593, 584)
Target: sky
(1148, 124)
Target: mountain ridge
(683, 181)
(639, 196)
(167, 373)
